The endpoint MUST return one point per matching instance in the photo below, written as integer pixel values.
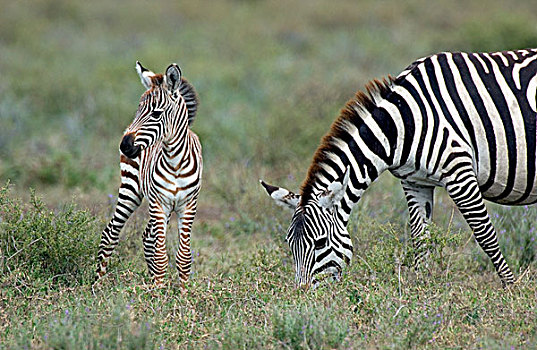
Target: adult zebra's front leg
(463, 188)
(128, 200)
(420, 209)
(183, 258)
(154, 240)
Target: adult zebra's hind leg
(420, 209)
(183, 258)
(464, 190)
(128, 201)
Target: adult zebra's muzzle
(327, 273)
(128, 148)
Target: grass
(271, 77)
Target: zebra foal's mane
(357, 108)
(186, 90)
(191, 99)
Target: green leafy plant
(42, 247)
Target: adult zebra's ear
(335, 191)
(145, 75)
(281, 196)
(173, 77)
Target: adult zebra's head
(317, 236)
(165, 110)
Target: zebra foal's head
(317, 235)
(169, 104)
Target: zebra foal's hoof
(101, 271)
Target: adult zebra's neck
(363, 138)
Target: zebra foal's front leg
(420, 209)
(127, 203)
(154, 240)
(183, 257)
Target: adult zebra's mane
(187, 91)
(355, 110)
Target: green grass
(271, 78)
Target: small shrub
(388, 248)
(307, 327)
(44, 247)
(441, 243)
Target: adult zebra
(160, 160)
(463, 121)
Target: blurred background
(271, 77)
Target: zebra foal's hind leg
(420, 209)
(464, 190)
(127, 203)
(183, 257)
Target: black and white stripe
(463, 121)
(161, 161)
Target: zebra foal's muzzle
(128, 148)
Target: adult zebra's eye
(320, 243)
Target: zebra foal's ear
(173, 77)
(281, 196)
(145, 75)
(335, 191)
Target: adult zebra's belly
(507, 160)
(511, 187)
(515, 198)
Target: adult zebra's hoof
(507, 284)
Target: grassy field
(271, 76)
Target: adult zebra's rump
(462, 121)
(160, 160)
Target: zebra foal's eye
(156, 113)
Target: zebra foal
(462, 121)
(160, 159)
